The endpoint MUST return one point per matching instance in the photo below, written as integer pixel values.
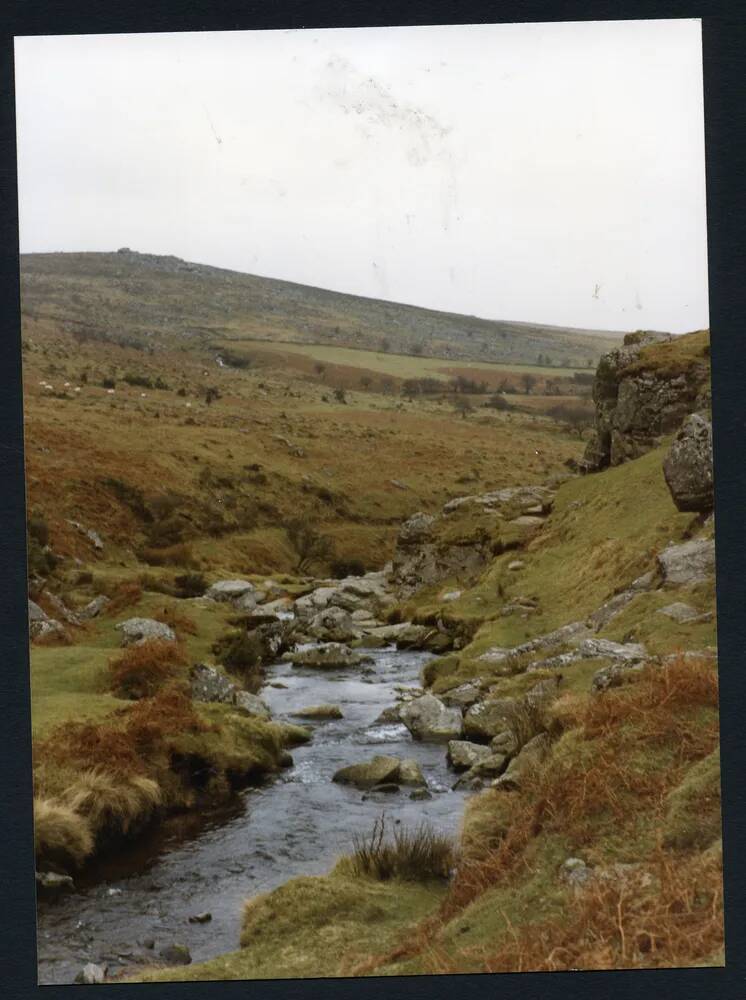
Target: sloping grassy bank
(119, 741)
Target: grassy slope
(137, 295)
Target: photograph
(367, 420)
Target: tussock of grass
(413, 855)
(113, 805)
(693, 817)
(62, 838)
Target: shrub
(139, 380)
(122, 595)
(340, 568)
(416, 855)
(166, 532)
(240, 652)
(190, 585)
(143, 670)
(130, 496)
(108, 383)
(310, 546)
(38, 529)
(173, 555)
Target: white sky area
(542, 172)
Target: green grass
(314, 926)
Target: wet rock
(489, 718)
(136, 631)
(320, 712)
(427, 718)
(231, 591)
(388, 716)
(380, 770)
(91, 974)
(420, 795)
(688, 563)
(386, 788)
(688, 465)
(200, 918)
(332, 625)
(329, 655)
(463, 755)
(389, 633)
(52, 883)
(410, 773)
(412, 637)
(176, 954)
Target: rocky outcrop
(638, 401)
(240, 593)
(466, 534)
(688, 466)
(688, 563)
(210, 684)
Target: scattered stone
(91, 974)
(230, 591)
(515, 565)
(683, 613)
(463, 696)
(614, 675)
(576, 872)
(200, 918)
(418, 528)
(35, 613)
(176, 954)
(388, 716)
(688, 563)
(427, 718)
(463, 755)
(529, 758)
(332, 625)
(488, 718)
(527, 521)
(252, 704)
(380, 770)
(610, 609)
(330, 655)
(94, 608)
(452, 595)
(136, 631)
(210, 684)
(413, 637)
(606, 649)
(93, 536)
(49, 626)
(688, 466)
(320, 712)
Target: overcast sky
(548, 172)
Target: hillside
(144, 298)
(354, 556)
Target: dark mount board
(724, 35)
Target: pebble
(200, 918)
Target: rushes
(414, 855)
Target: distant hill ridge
(129, 296)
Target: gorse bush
(415, 855)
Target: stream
(298, 823)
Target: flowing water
(298, 823)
